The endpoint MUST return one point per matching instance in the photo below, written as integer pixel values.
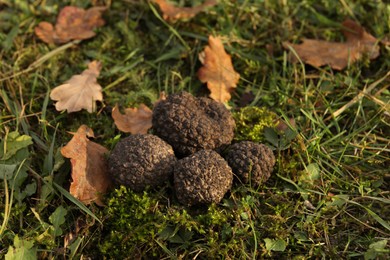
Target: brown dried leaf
(80, 91)
(282, 125)
(45, 32)
(135, 120)
(172, 13)
(337, 55)
(89, 167)
(73, 23)
(217, 70)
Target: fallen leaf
(73, 23)
(135, 120)
(80, 91)
(217, 70)
(173, 13)
(89, 167)
(337, 55)
(283, 126)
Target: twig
(42, 59)
(360, 96)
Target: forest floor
(328, 196)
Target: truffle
(192, 124)
(251, 162)
(202, 178)
(139, 160)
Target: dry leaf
(282, 125)
(217, 71)
(73, 23)
(162, 96)
(337, 55)
(80, 91)
(89, 167)
(135, 120)
(172, 13)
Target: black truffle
(251, 162)
(202, 178)
(138, 161)
(192, 124)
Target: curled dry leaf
(80, 91)
(73, 23)
(217, 70)
(89, 167)
(337, 55)
(135, 120)
(173, 13)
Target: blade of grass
(173, 30)
(381, 221)
(75, 201)
(9, 200)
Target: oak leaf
(89, 167)
(337, 55)
(217, 70)
(135, 120)
(80, 91)
(173, 13)
(73, 23)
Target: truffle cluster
(195, 130)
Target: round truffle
(192, 124)
(251, 162)
(139, 160)
(202, 178)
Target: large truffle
(202, 178)
(138, 161)
(251, 162)
(191, 124)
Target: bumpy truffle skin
(251, 162)
(202, 178)
(192, 124)
(138, 161)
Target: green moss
(131, 225)
(251, 121)
(141, 225)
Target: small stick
(42, 59)
(360, 96)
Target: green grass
(328, 196)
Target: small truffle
(202, 178)
(139, 160)
(251, 162)
(192, 124)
